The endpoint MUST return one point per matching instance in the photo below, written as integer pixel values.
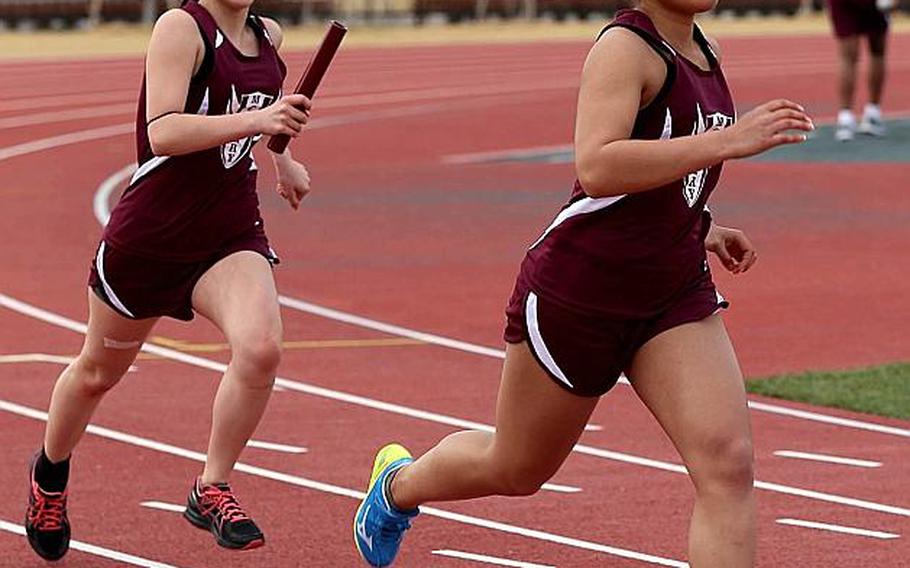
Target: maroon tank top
(186, 207)
(633, 255)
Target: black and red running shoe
(46, 525)
(214, 508)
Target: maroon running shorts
(586, 353)
(857, 17)
(138, 287)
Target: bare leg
(111, 345)
(690, 380)
(537, 424)
(849, 55)
(877, 45)
(238, 295)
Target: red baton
(316, 69)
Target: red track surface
(396, 234)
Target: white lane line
(395, 97)
(101, 201)
(289, 479)
(33, 119)
(557, 488)
(56, 101)
(501, 155)
(94, 550)
(313, 390)
(391, 329)
(36, 358)
(162, 506)
(44, 358)
(489, 559)
(827, 459)
(345, 317)
(828, 419)
(283, 448)
(41, 144)
(837, 528)
(593, 428)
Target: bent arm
(175, 52)
(621, 71)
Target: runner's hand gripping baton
(317, 67)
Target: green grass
(883, 390)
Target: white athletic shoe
(872, 123)
(846, 126)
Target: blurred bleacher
(31, 14)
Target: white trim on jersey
(580, 207)
(537, 342)
(147, 167)
(204, 106)
(108, 291)
(722, 303)
(219, 38)
(667, 132)
(150, 165)
(707, 43)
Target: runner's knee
(517, 479)
(725, 465)
(849, 52)
(259, 353)
(877, 47)
(97, 375)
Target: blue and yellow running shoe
(378, 525)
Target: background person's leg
(872, 122)
(848, 51)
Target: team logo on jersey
(233, 152)
(694, 183)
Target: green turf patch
(883, 390)
(822, 147)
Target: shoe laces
(392, 529)
(49, 510)
(222, 500)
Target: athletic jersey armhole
(208, 58)
(665, 52)
(261, 29)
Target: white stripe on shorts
(108, 291)
(540, 348)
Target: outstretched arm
(618, 76)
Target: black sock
(51, 477)
(387, 491)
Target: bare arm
(292, 176)
(618, 71)
(274, 30)
(174, 53)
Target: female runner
(187, 237)
(619, 282)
